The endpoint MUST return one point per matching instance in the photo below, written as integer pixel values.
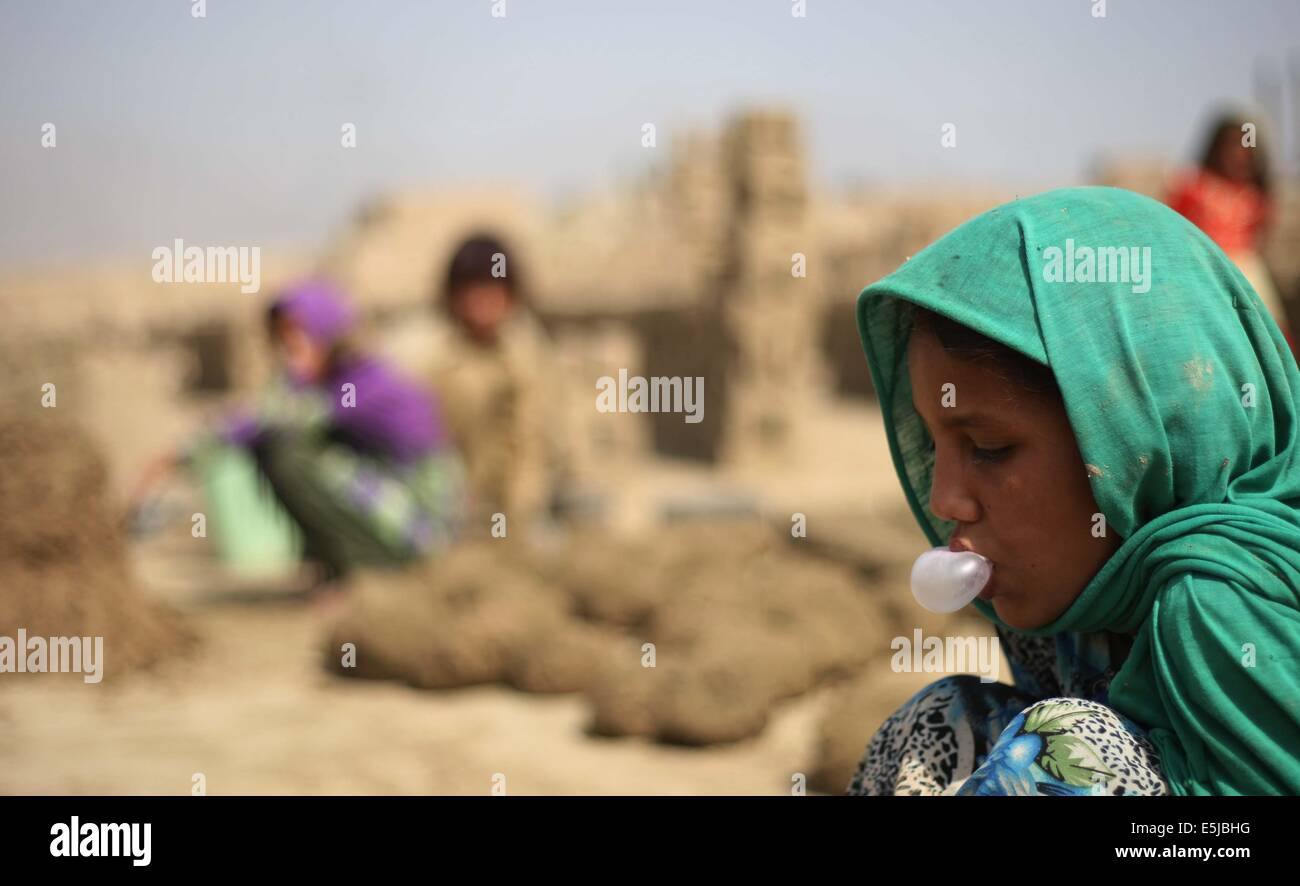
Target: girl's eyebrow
(972, 418)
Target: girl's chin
(1023, 618)
(1014, 616)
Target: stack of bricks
(700, 197)
(768, 310)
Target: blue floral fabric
(1051, 734)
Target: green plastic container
(253, 534)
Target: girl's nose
(951, 497)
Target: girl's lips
(990, 587)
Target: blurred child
(355, 454)
(1228, 196)
(493, 380)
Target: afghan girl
(1121, 443)
(354, 453)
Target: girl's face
(481, 308)
(1008, 472)
(304, 358)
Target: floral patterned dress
(1051, 734)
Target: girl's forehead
(927, 357)
(964, 393)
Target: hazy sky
(226, 129)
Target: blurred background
(684, 190)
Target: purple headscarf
(318, 308)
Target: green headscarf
(1184, 399)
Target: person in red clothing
(1228, 196)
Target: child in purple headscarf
(356, 454)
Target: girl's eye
(990, 455)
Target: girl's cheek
(1007, 490)
(1016, 509)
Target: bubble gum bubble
(945, 581)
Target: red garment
(1229, 212)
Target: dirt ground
(256, 714)
(251, 708)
